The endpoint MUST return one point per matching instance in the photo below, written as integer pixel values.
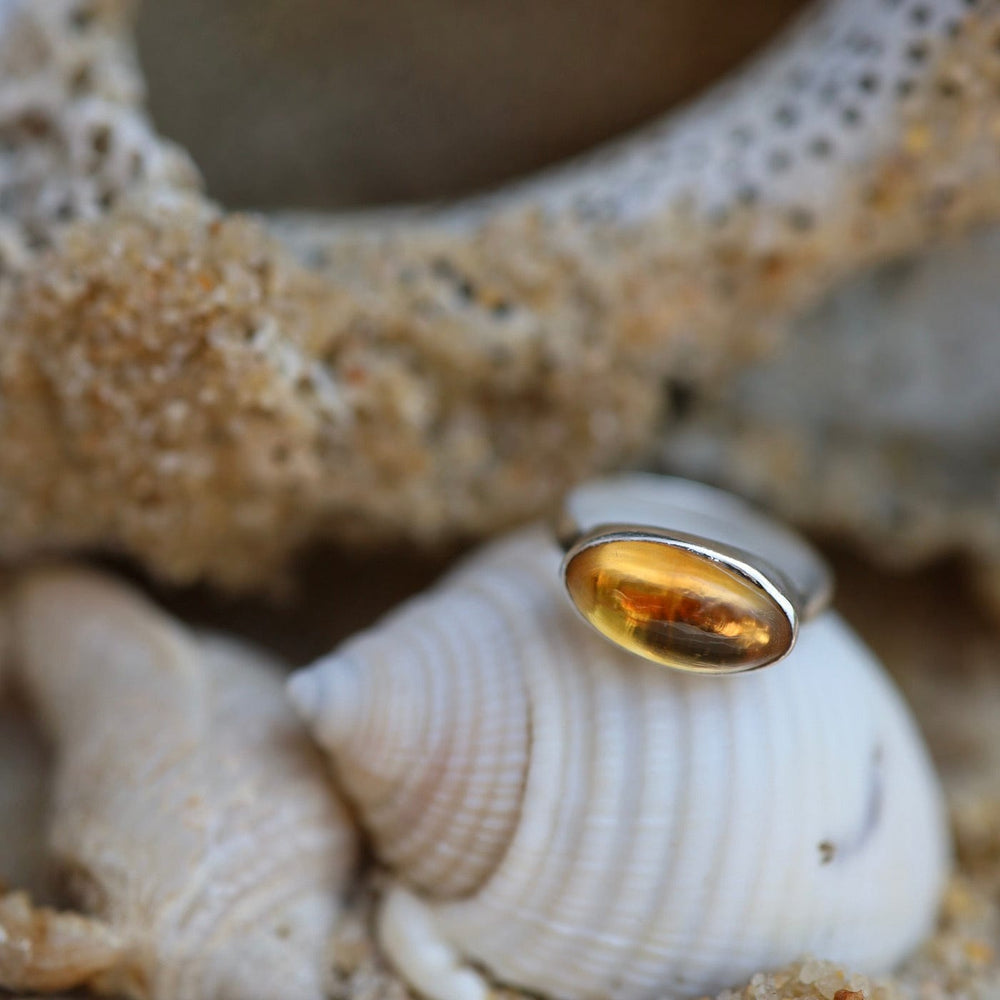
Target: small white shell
(205, 844)
(585, 824)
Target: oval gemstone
(677, 607)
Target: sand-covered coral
(178, 386)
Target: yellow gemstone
(677, 607)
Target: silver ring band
(687, 575)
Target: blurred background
(335, 103)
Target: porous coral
(178, 385)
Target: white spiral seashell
(583, 823)
(203, 841)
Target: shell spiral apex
(581, 823)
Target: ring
(687, 575)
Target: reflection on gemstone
(677, 607)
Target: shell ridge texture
(603, 840)
(423, 851)
(496, 804)
(229, 871)
(198, 819)
(500, 605)
(551, 870)
(667, 731)
(674, 833)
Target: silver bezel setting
(753, 568)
